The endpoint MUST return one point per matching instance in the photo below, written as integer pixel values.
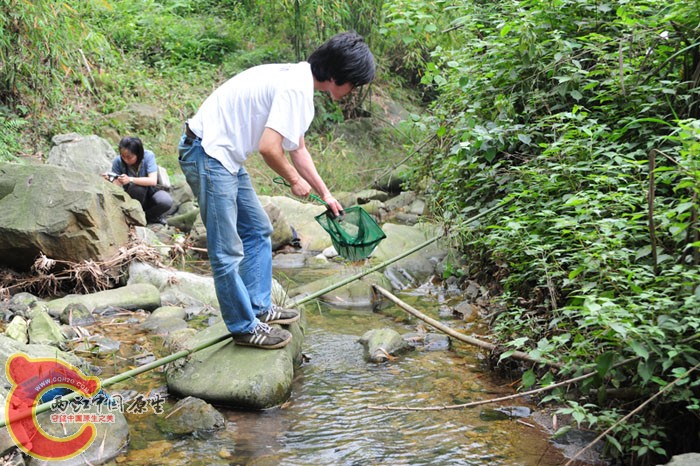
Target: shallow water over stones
(331, 418)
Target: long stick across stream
(181, 354)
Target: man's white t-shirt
(232, 119)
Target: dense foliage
(68, 66)
(585, 114)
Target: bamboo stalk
(631, 413)
(460, 336)
(123, 376)
(162, 361)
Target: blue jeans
(238, 236)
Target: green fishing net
(354, 234)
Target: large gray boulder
(178, 288)
(226, 374)
(301, 217)
(414, 269)
(282, 231)
(88, 154)
(133, 296)
(687, 459)
(66, 215)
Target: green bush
(584, 115)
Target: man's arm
(302, 175)
(270, 147)
(301, 158)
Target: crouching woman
(138, 174)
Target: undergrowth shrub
(585, 116)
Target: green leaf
(490, 154)
(518, 342)
(561, 431)
(613, 441)
(528, 378)
(643, 252)
(619, 328)
(506, 29)
(525, 139)
(644, 371)
(505, 354)
(603, 363)
(574, 273)
(639, 350)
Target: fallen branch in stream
(502, 398)
(490, 346)
(460, 336)
(485, 402)
(486, 345)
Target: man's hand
(300, 187)
(333, 204)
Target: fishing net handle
(282, 181)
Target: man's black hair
(344, 58)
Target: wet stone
(516, 411)
(144, 358)
(504, 413)
(289, 261)
(191, 416)
(22, 303)
(159, 325)
(99, 345)
(428, 341)
(17, 329)
(108, 311)
(383, 344)
(44, 330)
(436, 342)
(77, 314)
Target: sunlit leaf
(639, 350)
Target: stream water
(332, 417)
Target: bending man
(265, 109)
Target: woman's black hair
(344, 58)
(133, 145)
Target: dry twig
(631, 413)
(51, 277)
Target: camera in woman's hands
(111, 176)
